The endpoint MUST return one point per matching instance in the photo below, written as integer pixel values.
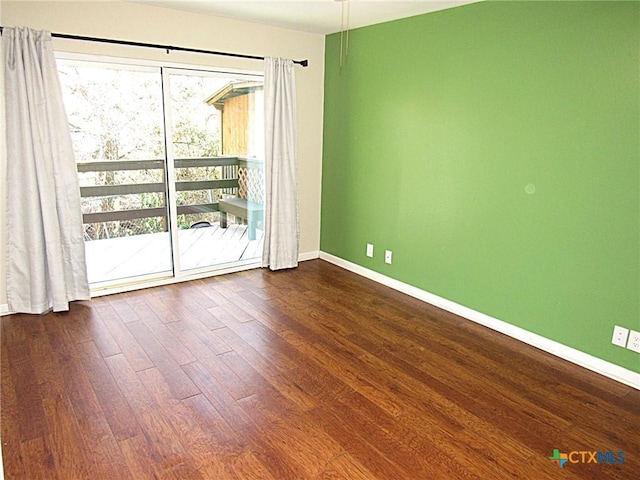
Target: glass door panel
(117, 127)
(215, 124)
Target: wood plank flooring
(312, 373)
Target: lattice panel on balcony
(251, 184)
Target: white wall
(142, 23)
(3, 208)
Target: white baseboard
(572, 355)
(4, 309)
(303, 257)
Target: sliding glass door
(170, 167)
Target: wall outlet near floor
(387, 256)
(634, 341)
(620, 335)
(370, 250)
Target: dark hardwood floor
(313, 373)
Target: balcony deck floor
(126, 258)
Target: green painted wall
(494, 148)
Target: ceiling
(315, 16)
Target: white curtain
(281, 198)
(45, 248)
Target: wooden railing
(229, 183)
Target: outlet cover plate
(370, 250)
(620, 335)
(387, 256)
(634, 341)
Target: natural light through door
(216, 128)
(116, 118)
(170, 167)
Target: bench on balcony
(241, 208)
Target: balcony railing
(239, 176)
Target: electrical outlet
(369, 250)
(620, 336)
(387, 256)
(634, 341)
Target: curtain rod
(168, 48)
